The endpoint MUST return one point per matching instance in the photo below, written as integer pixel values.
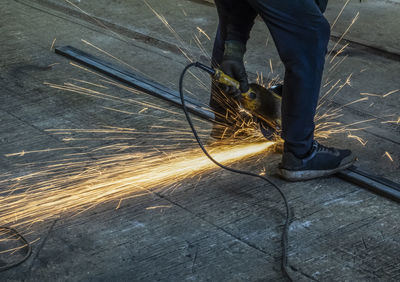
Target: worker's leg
(301, 34)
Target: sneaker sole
(300, 175)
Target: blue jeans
(301, 35)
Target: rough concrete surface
(217, 226)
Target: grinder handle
(220, 77)
(225, 79)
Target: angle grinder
(263, 103)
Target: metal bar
(379, 185)
(132, 79)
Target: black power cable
(26, 245)
(284, 239)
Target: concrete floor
(217, 227)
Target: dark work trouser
(301, 34)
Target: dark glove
(232, 65)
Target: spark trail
(114, 178)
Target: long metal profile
(379, 185)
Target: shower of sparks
(69, 188)
(78, 183)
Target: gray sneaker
(322, 161)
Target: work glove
(232, 65)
